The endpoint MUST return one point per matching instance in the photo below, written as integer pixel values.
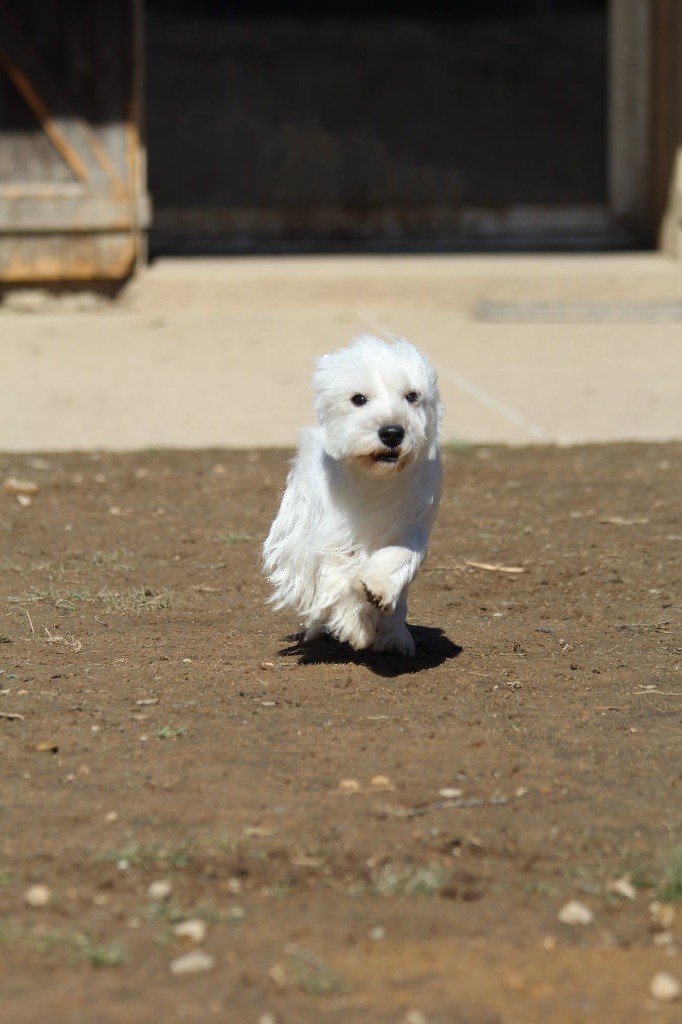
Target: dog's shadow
(433, 648)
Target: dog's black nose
(391, 436)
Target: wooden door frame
(645, 119)
(93, 226)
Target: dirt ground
(364, 838)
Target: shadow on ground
(433, 648)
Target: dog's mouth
(387, 458)
(387, 461)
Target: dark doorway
(371, 125)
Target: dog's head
(378, 405)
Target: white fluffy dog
(353, 525)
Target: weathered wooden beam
(35, 212)
(60, 257)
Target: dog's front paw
(397, 640)
(378, 598)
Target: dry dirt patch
(361, 838)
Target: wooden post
(666, 88)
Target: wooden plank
(60, 257)
(83, 211)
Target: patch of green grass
(165, 938)
(641, 877)
(48, 939)
(173, 914)
(147, 855)
(139, 598)
(177, 856)
(109, 559)
(392, 880)
(233, 538)
(6, 877)
(73, 598)
(9, 566)
(316, 981)
(670, 889)
(101, 954)
(541, 889)
(48, 568)
(308, 972)
(36, 595)
(280, 891)
(664, 881)
(169, 732)
(235, 915)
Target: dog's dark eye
(359, 400)
(411, 397)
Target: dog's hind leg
(313, 630)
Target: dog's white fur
(353, 525)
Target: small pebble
(449, 793)
(415, 1017)
(267, 1018)
(193, 929)
(662, 914)
(37, 896)
(574, 912)
(13, 485)
(349, 785)
(234, 885)
(378, 933)
(381, 782)
(192, 963)
(623, 887)
(159, 890)
(665, 988)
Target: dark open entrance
(478, 124)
